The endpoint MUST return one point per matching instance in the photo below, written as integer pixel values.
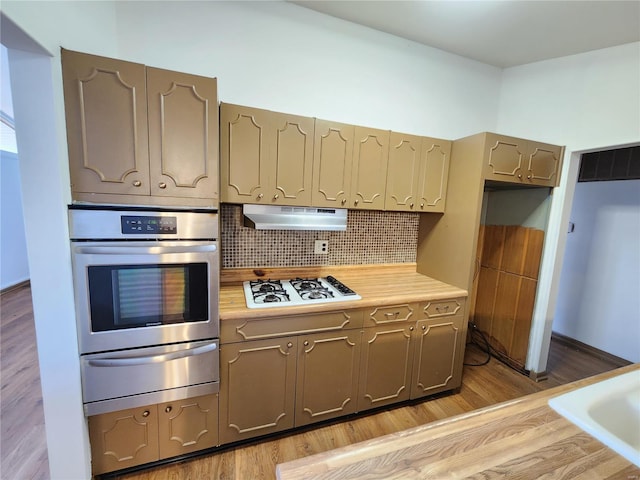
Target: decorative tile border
(371, 237)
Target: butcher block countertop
(522, 438)
(377, 285)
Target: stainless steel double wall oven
(146, 291)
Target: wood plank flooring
(23, 445)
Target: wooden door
(385, 372)
(434, 174)
(370, 161)
(505, 158)
(257, 388)
(183, 134)
(188, 425)
(123, 439)
(543, 164)
(327, 379)
(291, 159)
(106, 116)
(244, 157)
(437, 357)
(404, 169)
(332, 164)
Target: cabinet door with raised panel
(543, 164)
(123, 439)
(434, 174)
(385, 372)
(257, 388)
(369, 174)
(291, 157)
(505, 158)
(327, 379)
(183, 134)
(244, 154)
(437, 362)
(106, 116)
(404, 169)
(332, 164)
(188, 425)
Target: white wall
(598, 301)
(14, 266)
(586, 102)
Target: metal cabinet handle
(343, 201)
(162, 185)
(411, 205)
(260, 196)
(146, 360)
(424, 327)
(422, 205)
(306, 343)
(137, 183)
(275, 197)
(357, 200)
(168, 409)
(528, 177)
(445, 308)
(392, 314)
(145, 413)
(289, 345)
(520, 175)
(411, 328)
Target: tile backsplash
(371, 237)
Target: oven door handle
(148, 359)
(156, 250)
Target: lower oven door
(142, 376)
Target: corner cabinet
(140, 135)
(418, 173)
(266, 157)
(132, 437)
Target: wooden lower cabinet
(136, 436)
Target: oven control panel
(135, 224)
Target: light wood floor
(23, 445)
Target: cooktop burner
(298, 291)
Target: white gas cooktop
(297, 291)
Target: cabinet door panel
(292, 154)
(332, 161)
(434, 177)
(504, 311)
(544, 164)
(403, 172)
(188, 425)
(327, 380)
(523, 317)
(244, 154)
(370, 160)
(438, 344)
(257, 388)
(485, 299)
(123, 439)
(385, 375)
(183, 134)
(106, 115)
(505, 158)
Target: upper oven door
(134, 294)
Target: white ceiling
(502, 33)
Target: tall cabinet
(140, 135)
(448, 245)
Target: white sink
(608, 410)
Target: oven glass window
(133, 296)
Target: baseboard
(588, 349)
(17, 286)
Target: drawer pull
(445, 308)
(392, 314)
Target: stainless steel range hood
(272, 217)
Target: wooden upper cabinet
(106, 114)
(139, 135)
(369, 172)
(332, 164)
(183, 134)
(404, 167)
(266, 157)
(515, 160)
(418, 173)
(434, 174)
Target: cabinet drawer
(442, 308)
(249, 329)
(391, 314)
